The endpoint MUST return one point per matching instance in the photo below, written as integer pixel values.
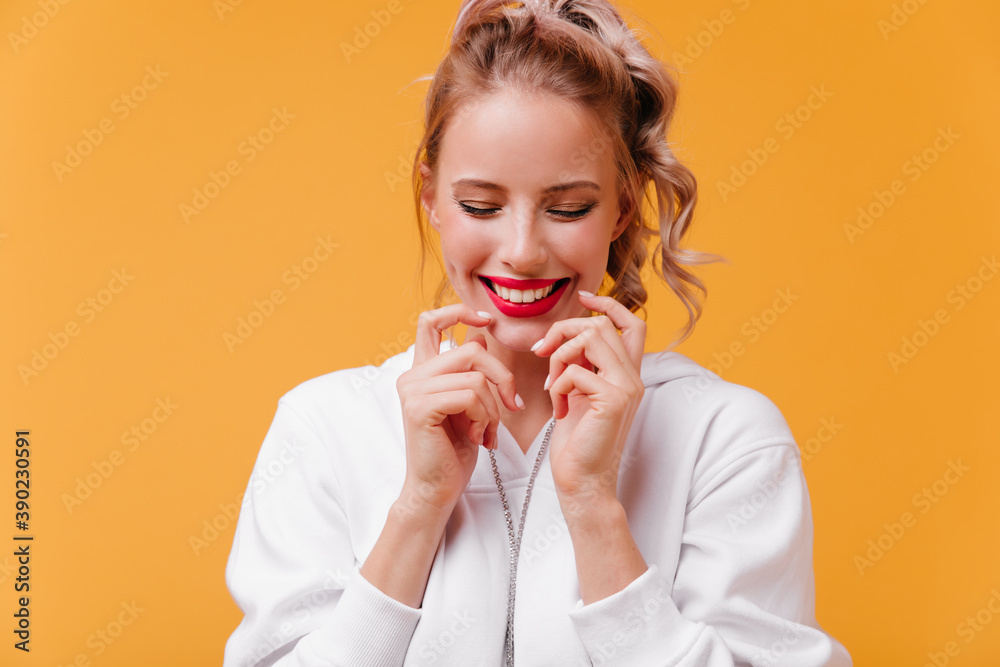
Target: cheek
(597, 262)
(587, 252)
(461, 247)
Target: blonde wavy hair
(581, 51)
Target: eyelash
(565, 215)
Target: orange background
(894, 77)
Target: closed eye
(571, 214)
(563, 214)
(477, 210)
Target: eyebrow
(487, 185)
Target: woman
(544, 493)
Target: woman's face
(526, 203)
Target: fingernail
(518, 401)
(537, 344)
(548, 381)
(585, 293)
(483, 313)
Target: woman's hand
(448, 408)
(595, 387)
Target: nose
(522, 246)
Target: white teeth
(522, 296)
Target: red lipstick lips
(513, 283)
(533, 309)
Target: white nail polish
(537, 344)
(585, 293)
(518, 401)
(548, 381)
(483, 313)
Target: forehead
(523, 140)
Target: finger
(489, 436)
(474, 380)
(431, 324)
(633, 327)
(566, 330)
(478, 338)
(472, 356)
(597, 389)
(590, 349)
(439, 407)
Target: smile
(523, 298)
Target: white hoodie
(711, 482)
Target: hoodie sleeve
(292, 569)
(743, 593)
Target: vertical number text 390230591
(22, 542)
